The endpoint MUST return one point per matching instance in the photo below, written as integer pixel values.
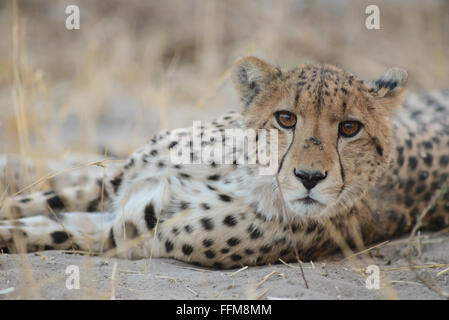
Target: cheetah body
(230, 215)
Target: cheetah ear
(390, 88)
(250, 75)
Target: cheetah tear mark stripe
(285, 154)
(342, 170)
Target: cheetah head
(334, 130)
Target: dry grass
(138, 67)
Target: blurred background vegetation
(136, 67)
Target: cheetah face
(334, 131)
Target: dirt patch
(42, 275)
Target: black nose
(309, 179)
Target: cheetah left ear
(390, 88)
(250, 75)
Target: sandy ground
(169, 279)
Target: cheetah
(350, 162)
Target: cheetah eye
(349, 129)
(286, 119)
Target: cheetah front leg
(88, 232)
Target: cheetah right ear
(390, 88)
(250, 75)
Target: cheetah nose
(309, 179)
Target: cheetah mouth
(308, 201)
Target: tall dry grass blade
(285, 215)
